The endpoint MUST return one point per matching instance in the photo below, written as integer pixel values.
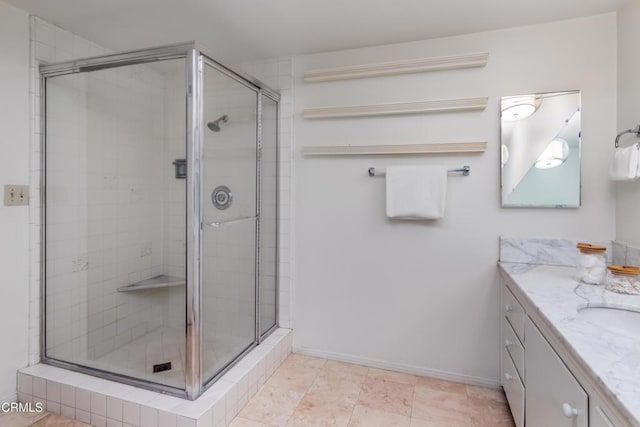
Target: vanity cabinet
(554, 397)
(513, 355)
(543, 387)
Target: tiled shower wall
(48, 44)
(52, 44)
(175, 245)
(105, 204)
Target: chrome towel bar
(218, 224)
(465, 170)
(636, 131)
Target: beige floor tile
(309, 391)
(398, 377)
(489, 422)
(488, 414)
(243, 422)
(487, 405)
(321, 410)
(12, 419)
(331, 389)
(272, 406)
(442, 422)
(367, 417)
(387, 396)
(437, 405)
(485, 393)
(436, 384)
(300, 360)
(53, 420)
(329, 401)
(344, 371)
(293, 378)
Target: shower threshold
(88, 396)
(161, 281)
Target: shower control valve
(222, 197)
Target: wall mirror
(540, 153)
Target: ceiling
(234, 30)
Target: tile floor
(309, 391)
(43, 419)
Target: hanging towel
(625, 163)
(416, 192)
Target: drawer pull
(569, 411)
(508, 308)
(508, 343)
(508, 377)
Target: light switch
(16, 195)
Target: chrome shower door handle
(218, 224)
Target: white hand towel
(625, 163)
(416, 192)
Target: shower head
(215, 125)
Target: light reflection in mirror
(540, 152)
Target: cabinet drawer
(513, 346)
(513, 388)
(514, 312)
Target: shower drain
(161, 367)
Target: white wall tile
(131, 413)
(98, 420)
(185, 422)
(83, 416)
(113, 423)
(40, 388)
(68, 411)
(83, 400)
(114, 408)
(166, 419)
(98, 404)
(53, 391)
(25, 383)
(206, 420)
(148, 417)
(53, 407)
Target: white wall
(14, 221)
(628, 200)
(423, 296)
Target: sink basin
(620, 320)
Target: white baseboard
(399, 367)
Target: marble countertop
(611, 356)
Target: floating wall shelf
(442, 106)
(471, 60)
(367, 150)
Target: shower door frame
(195, 60)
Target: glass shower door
(229, 215)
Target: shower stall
(160, 217)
